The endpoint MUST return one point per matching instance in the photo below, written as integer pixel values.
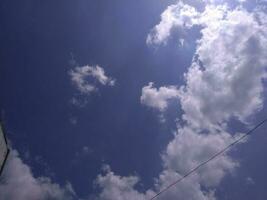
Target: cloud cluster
(223, 82)
(18, 182)
(86, 77)
(226, 79)
(158, 98)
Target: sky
(115, 100)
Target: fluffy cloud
(84, 78)
(226, 79)
(187, 189)
(223, 82)
(115, 187)
(178, 15)
(158, 98)
(230, 52)
(190, 148)
(18, 182)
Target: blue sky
(108, 100)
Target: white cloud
(158, 98)
(115, 187)
(230, 52)
(84, 78)
(224, 81)
(183, 153)
(19, 183)
(187, 189)
(189, 148)
(178, 15)
(99, 73)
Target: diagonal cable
(210, 159)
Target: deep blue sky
(37, 40)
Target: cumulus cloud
(158, 98)
(85, 78)
(223, 82)
(190, 148)
(115, 187)
(18, 182)
(178, 15)
(226, 79)
(184, 152)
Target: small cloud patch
(86, 78)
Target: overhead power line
(210, 159)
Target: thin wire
(210, 159)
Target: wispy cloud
(86, 78)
